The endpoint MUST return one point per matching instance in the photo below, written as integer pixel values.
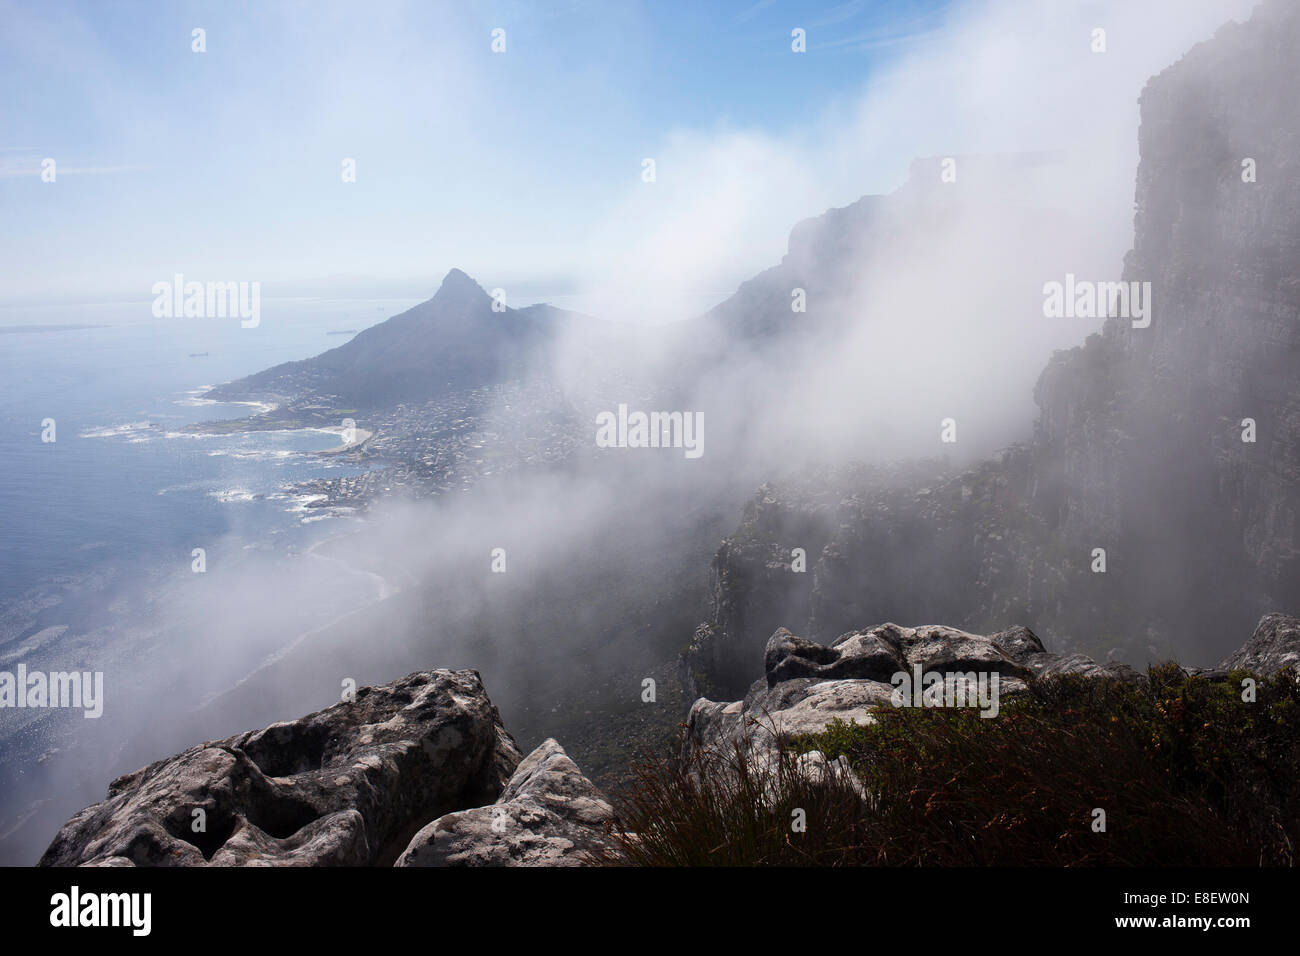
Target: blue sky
(229, 161)
(522, 167)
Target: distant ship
(198, 355)
(342, 332)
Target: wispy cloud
(918, 25)
(874, 40)
(744, 16)
(838, 14)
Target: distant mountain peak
(453, 340)
(459, 286)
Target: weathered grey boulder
(866, 655)
(548, 815)
(807, 685)
(847, 700)
(878, 653)
(1274, 645)
(348, 785)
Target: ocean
(121, 483)
(98, 528)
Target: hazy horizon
(169, 160)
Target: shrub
(1186, 772)
(737, 808)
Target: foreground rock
(347, 786)
(421, 772)
(548, 815)
(807, 685)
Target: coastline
(362, 435)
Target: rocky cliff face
(908, 541)
(847, 256)
(1138, 447)
(1140, 440)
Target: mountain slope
(455, 339)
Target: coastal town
(451, 443)
(422, 450)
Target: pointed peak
(458, 291)
(459, 284)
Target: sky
(524, 167)
(228, 162)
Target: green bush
(1186, 771)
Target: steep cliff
(1138, 449)
(1140, 440)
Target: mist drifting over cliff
(996, 154)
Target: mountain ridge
(456, 338)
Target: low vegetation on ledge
(1177, 769)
